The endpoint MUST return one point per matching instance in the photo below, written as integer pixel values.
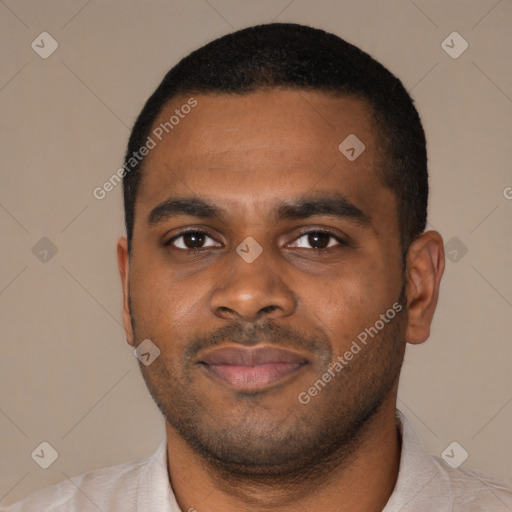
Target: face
(260, 254)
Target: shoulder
(426, 482)
(100, 489)
(473, 491)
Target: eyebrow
(190, 206)
(334, 205)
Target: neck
(360, 481)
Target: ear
(425, 267)
(123, 262)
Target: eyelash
(191, 252)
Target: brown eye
(317, 240)
(193, 240)
(190, 240)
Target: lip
(251, 368)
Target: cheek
(161, 305)
(354, 299)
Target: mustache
(269, 333)
(249, 335)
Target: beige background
(66, 374)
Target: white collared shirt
(425, 484)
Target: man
(275, 266)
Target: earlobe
(123, 262)
(425, 267)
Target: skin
(264, 450)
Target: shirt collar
(418, 476)
(155, 493)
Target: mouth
(251, 368)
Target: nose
(252, 291)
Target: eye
(194, 240)
(191, 240)
(318, 239)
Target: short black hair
(280, 55)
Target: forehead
(248, 150)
